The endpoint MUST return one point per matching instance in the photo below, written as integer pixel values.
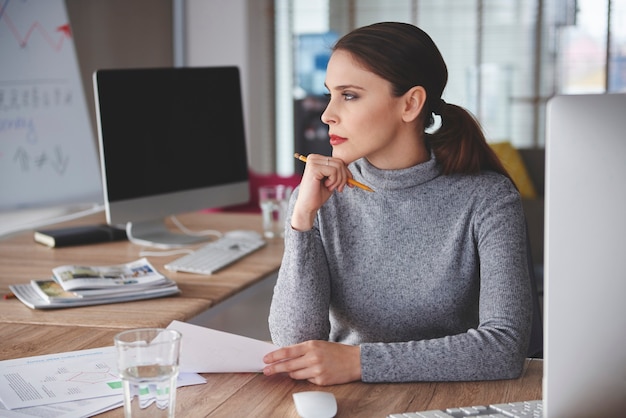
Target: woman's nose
(328, 116)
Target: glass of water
(274, 201)
(148, 361)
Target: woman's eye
(346, 96)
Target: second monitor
(172, 140)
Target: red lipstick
(337, 140)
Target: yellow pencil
(350, 181)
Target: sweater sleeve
(496, 348)
(300, 304)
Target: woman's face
(364, 118)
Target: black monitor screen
(170, 129)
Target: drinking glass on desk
(274, 201)
(148, 365)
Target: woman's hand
(320, 362)
(322, 176)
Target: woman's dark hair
(407, 57)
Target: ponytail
(459, 144)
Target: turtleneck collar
(395, 179)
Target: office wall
(119, 34)
(139, 33)
(239, 32)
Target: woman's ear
(414, 100)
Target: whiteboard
(47, 148)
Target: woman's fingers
(331, 171)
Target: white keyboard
(215, 255)
(521, 409)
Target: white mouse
(244, 234)
(315, 404)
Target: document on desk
(65, 377)
(72, 409)
(206, 350)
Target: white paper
(65, 377)
(75, 375)
(87, 407)
(72, 409)
(206, 350)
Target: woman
(425, 279)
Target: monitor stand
(156, 234)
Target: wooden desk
(255, 395)
(21, 259)
(29, 332)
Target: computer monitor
(172, 140)
(585, 257)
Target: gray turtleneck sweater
(427, 274)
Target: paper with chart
(71, 409)
(65, 377)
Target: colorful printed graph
(35, 27)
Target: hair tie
(438, 106)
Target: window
(505, 58)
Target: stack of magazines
(89, 285)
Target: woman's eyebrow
(345, 87)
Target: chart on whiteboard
(47, 147)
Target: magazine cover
(51, 290)
(139, 272)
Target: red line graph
(36, 26)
